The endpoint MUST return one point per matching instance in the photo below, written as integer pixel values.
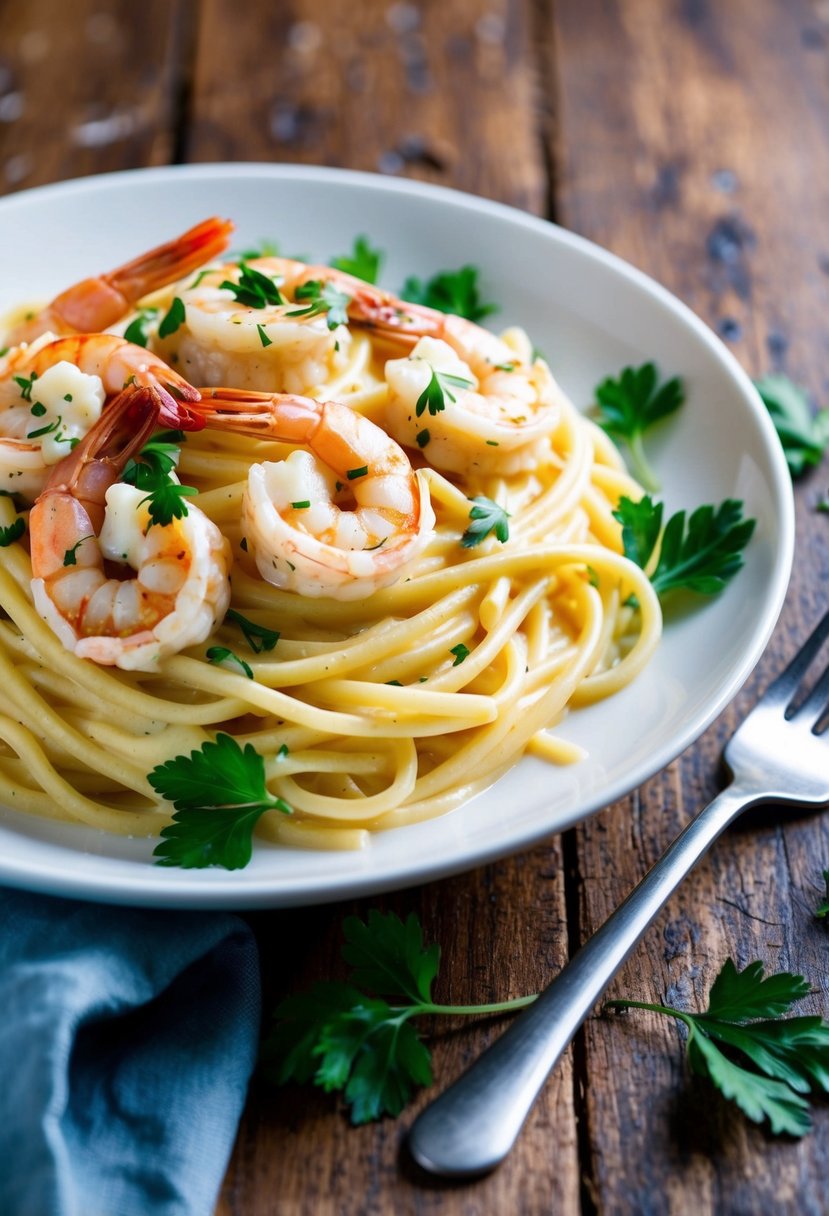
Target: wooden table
(692, 139)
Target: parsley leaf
(487, 516)
(363, 262)
(325, 300)
(804, 435)
(453, 291)
(254, 289)
(438, 388)
(257, 636)
(460, 652)
(12, 533)
(174, 318)
(219, 794)
(222, 654)
(701, 559)
(25, 384)
(138, 330)
(788, 1057)
(630, 404)
(165, 502)
(340, 1038)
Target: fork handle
(472, 1126)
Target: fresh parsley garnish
(353, 474)
(340, 1038)
(25, 384)
(324, 300)
(438, 388)
(423, 437)
(173, 318)
(45, 430)
(804, 435)
(363, 262)
(219, 794)
(12, 533)
(450, 291)
(460, 652)
(263, 337)
(486, 516)
(631, 403)
(254, 289)
(138, 330)
(222, 654)
(152, 471)
(701, 558)
(257, 636)
(769, 1062)
(70, 557)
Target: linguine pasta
(369, 713)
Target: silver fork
(777, 755)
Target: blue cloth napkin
(127, 1039)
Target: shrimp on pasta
(344, 514)
(96, 303)
(85, 518)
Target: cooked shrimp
(94, 304)
(85, 517)
(114, 361)
(254, 334)
(341, 517)
(500, 404)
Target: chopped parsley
(460, 652)
(438, 388)
(254, 289)
(70, 557)
(222, 654)
(173, 318)
(324, 299)
(263, 337)
(352, 474)
(25, 384)
(257, 636)
(423, 438)
(138, 330)
(487, 517)
(14, 532)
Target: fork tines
(782, 692)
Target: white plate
(591, 314)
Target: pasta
(371, 711)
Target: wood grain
(88, 94)
(705, 163)
(440, 92)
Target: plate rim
(224, 889)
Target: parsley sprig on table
(219, 795)
(341, 1038)
(701, 557)
(363, 262)
(804, 435)
(632, 402)
(756, 1058)
(152, 471)
(450, 291)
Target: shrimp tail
(101, 456)
(94, 304)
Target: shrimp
(343, 515)
(493, 405)
(500, 404)
(94, 304)
(241, 326)
(53, 390)
(86, 517)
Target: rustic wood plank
(692, 141)
(89, 94)
(446, 95)
(443, 93)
